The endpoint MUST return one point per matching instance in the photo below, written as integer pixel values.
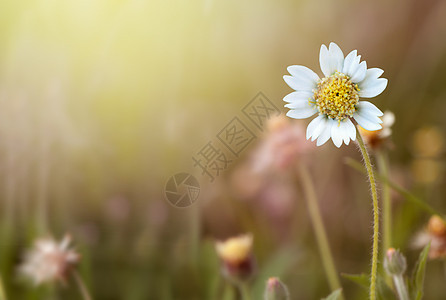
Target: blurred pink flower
(267, 177)
(282, 145)
(118, 208)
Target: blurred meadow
(101, 102)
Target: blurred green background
(102, 101)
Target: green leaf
(417, 280)
(384, 292)
(360, 279)
(335, 295)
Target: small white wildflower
(376, 138)
(336, 96)
(49, 260)
(388, 121)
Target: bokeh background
(102, 101)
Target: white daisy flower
(335, 98)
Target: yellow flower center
(336, 96)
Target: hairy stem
(368, 165)
(319, 229)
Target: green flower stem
(2, 290)
(82, 286)
(368, 165)
(194, 229)
(41, 197)
(318, 227)
(244, 291)
(387, 205)
(444, 268)
(401, 288)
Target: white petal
(326, 133)
(319, 129)
(302, 79)
(351, 131)
(373, 73)
(298, 104)
(304, 74)
(369, 106)
(298, 96)
(366, 123)
(302, 113)
(324, 61)
(337, 134)
(337, 56)
(348, 62)
(331, 60)
(373, 88)
(353, 65)
(369, 115)
(371, 85)
(360, 73)
(369, 112)
(313, 125)
(293, 82)
(343, 131)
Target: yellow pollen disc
(336, 96)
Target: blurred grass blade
(279, 263)
(209, 267)
(335, 295)
(2, 289)
(417, 280)
(228, 292)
